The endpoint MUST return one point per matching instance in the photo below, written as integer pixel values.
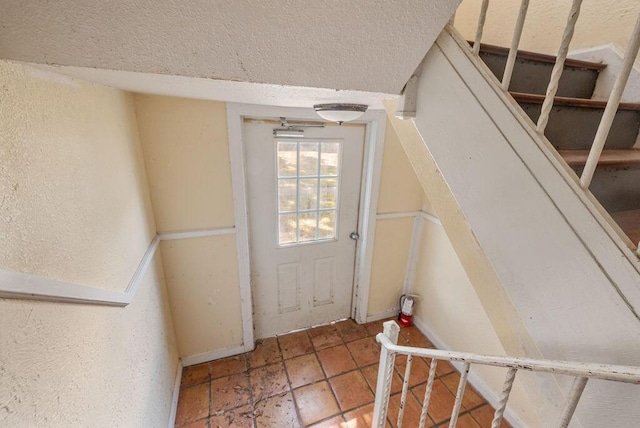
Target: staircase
(573, 124)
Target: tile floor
(322, 377)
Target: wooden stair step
(535, 56)
(629, 222)
(615, 158)
(570, 102)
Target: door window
(308, 183)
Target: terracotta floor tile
(351, 331)
(241, 417)
(336, 360)
(441, 402)
(228, 366)
(411, 336)
(202, 423)
(419, 369)
(230, 392)
(365, 351)
(268, 380)
(266, 352)
(303, 370)
(295, 344)
(466, 421)
(371, 375)
(443, 368)
(325, 336)
(351, 390)
(375, 327)
(194, 375)
(412, 410)
(277, 411)
(193, 404)
(470, 399)
(484, 416)
(316, 402)
(334, 422)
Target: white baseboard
(477, 382)
(192, 360)
(176, 394)
(382, 315)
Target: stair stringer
(555, 279)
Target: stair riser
(574, 128)
(616, 189)
(530, 76)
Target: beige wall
(600, 22)
(187, 158)
(75, 208)
(400, 191)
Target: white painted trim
(204, 357)
(477, 382)
(196, 233)
(382, 315)
(414, 253)
(18, 285)
(404, 214)
(433, 219)
(370, 189)
(174, 397)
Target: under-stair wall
(554, 278)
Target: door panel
(303, 197)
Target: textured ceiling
(365, 45)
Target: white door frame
(375, 122)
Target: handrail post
(461, 387)
(481, 18)
(558, 67)
(612, 107)
(504, 397)
(572, 401)
(385, 375)
(515, 42)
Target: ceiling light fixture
(338, 112)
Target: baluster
(427, 392)
(460, 393)
(612, 107)
(515, 42)
(504, 397)
(480, 28)
(385, 374)
(405, 388)
(558, 67)
(572, 401)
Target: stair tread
(629, 222)
(570, 102)
(535, 56)
(624, 157)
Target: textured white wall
(75, 207)
(362, 44)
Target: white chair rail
(388, 340)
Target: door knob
(354, 235)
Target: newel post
(385, 373)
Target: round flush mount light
(340, 112)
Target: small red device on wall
(407, 302)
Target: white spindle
(480, 28)
(385, 375)
(612, 107)
(459, 395)
(427, 392)
(572, 401)
(405, 388)
(515, 42)
(558, 68)
(504, 397)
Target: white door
(303, 197)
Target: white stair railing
(388, 340)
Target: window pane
(287, 195)
(288, 226)
(308, 159)
(329, 158)
(327, 225)
(287, 159)
(328, 192)
(308, 226)
(308, 194)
